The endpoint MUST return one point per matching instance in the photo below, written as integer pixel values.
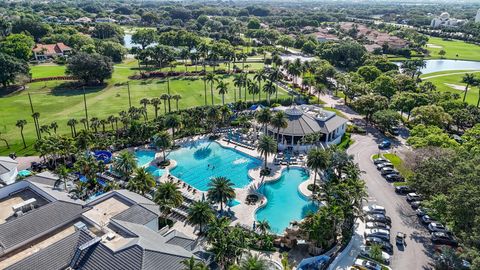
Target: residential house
(43, 52)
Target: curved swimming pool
(284, 201)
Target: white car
(374, 209)
(380, 233)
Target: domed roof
(445, 15)
(293, 111)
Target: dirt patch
(456, 86)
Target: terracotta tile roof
(51, 48)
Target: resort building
(304, 120)
(43, 228)
(45, 51)
(8, 170)
(444, 20)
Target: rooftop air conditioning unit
(80, 226)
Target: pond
(443, 65)
(127, 41)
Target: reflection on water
(443, 65)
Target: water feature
(200, 161)
(144, 157)
(284, 202)
(445, 64)
(156, 172)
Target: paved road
(415, 255)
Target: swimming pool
(144, 157)
(156, 172)
(284, 202)
(200, 161)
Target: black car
(378, 218)
(443, 238)
(421, 211)
(403, 190)
(380, 161)
(415, 205)
(426, 219)
(394, 177)
(384, 165)
(386, 246)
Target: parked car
(426, 219)
(366, 264)
(384, 165)
(413, 197)
(380, 161)
(436, 227)
(365, 252)
(416, 204)
(444, 238)
(374, 209)
(380, 233)
(378, 225)
(385, 144)
(393, 177)
(395, 131)
(388, 170)
(421, 211)
(403, 190)
(386, 246)
(378, 218)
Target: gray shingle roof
(136, 214)
(37, 223)
(56, 256)
(100, 257)
(179, 239)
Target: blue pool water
(232, 203)
(156, 172)
(144, 157)
(284, 202)
(198, 162)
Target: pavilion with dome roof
(308, 119)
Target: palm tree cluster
(344, 193)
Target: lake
(444, 64)
(127, 41)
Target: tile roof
(36, 224)
(51, 48)
(136, 214)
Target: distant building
(105, 20)
(444, 20)
(477, 17)
(45, 51)
(83, 20)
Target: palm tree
(220, 190)
(320, 90)
(163, 140)
(269, 88)
(205, 85)
(264, 116)
(253, 90)
(21, 124)
(211, 79)
(94, 123)
(274, 76)
(84, 122)
(260, 76)
(213, 115)
(263, 226)
(36, 116)
(62, 173)
(145, 102)
(84, 140)
(155, 102)
(279, 120)
(200, 213)
(173, 121)
(189, 264)
(141, 182)
(238, 82)
(176, 97)
(253, 262)
(72, 123)
(266, 146)
(222, 88)
(165, 97)
(54, 126)
(317, 159)
(45, 129)
(468, 79)
(125, 163)
(168, 196)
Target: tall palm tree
(84, 140)
(21, 124)
(204, 78)
(317, 159)
(173, 121)
(176, 97)
(84, 122)
(155, 102)
(111, 121)
(275, 76)
(141, 182)
(45, 129)
(36, 117)
(200, 213)
(220, 191)
(266, 146)
(253, 262)
(168, 196)
(213, 115)
(72, 122)
(165, 97)
(260, 76)
(263, 227)
(238, 82)
(279, 120)
(264, 116)
(246, 85)
(468, 79)
(210, 77)
(62, 174)
(269, 88)
(163, 140)
(222, 88)
(125, 163)
(54, 126)
(145, 102)
(253, 90)
(95, 123)
(320, 89)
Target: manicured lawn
(447, 72)
(397, 163)
(46, 70)
(446, 83)
(455, 49)
(56, 102)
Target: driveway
(416, 254)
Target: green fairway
(455, 49)
(55, 102)
(452, 82)
(46, 70)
